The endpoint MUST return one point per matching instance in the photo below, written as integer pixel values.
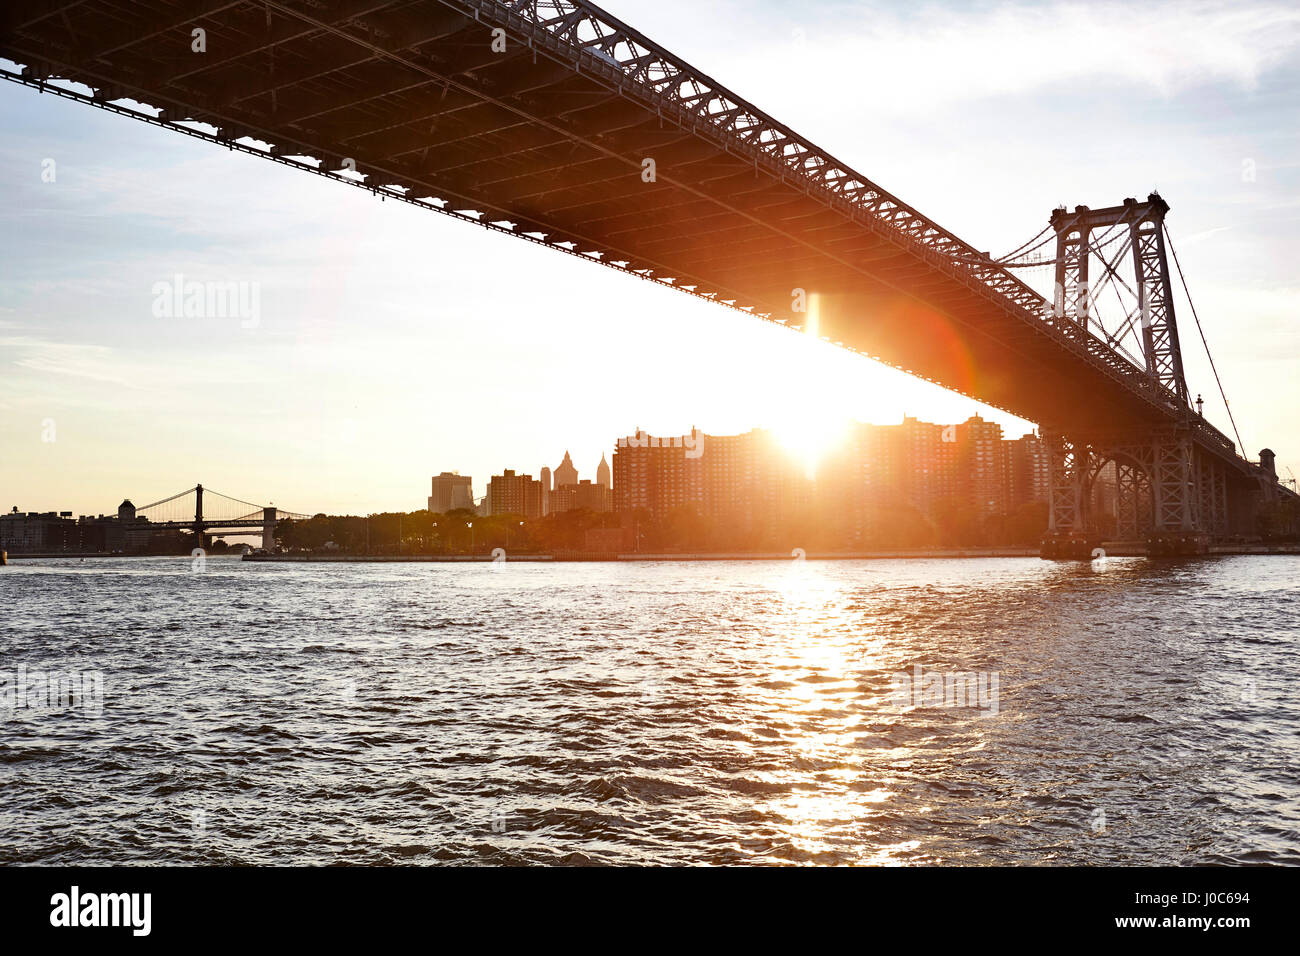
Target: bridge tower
(200, 527)
(268, 528)
(1170, 493)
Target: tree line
(890, 526)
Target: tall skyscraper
(546, 489)
(602, 473)
(451, 491)
(565, 472)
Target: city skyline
(453, 489)
(359, 391)
(744, 482)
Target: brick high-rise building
(658, 474)
(862, 476)
(739, 480)
(981, 478)
(931, 468)
(926, 463)
(749, 478)
(511, 494)
(1027, 474)
(879, 474)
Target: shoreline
(1119, 550)
(657, 556)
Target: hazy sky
(394, 343)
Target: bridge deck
(550, 137)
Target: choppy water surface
(738, 712)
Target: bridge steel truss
(1170, 493)
(534, 118)
(1144, 223)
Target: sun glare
(811, 438)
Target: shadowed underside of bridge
(551, 136)
(537, 118)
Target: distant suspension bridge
(206, 513)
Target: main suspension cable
(1024, 246)
(1217, 380)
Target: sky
(393, 343)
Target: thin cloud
(92, 362)
(1203, 235)
(936, 56)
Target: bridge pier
(1168, 491)
(1070, 536)
(1176, 545)
(1171, 489)
(1069, 547)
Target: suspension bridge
(556, 123)
(207, 514)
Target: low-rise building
(585, 494)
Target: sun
(812, 420)
(812, 437)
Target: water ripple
(718, 713)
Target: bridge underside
(205, 531)
(551, 137)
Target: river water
(660, 713)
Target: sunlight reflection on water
(728, 712)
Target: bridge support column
(1212, 494)
(1178, 525)
(1069, 536)
(1132, 501)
